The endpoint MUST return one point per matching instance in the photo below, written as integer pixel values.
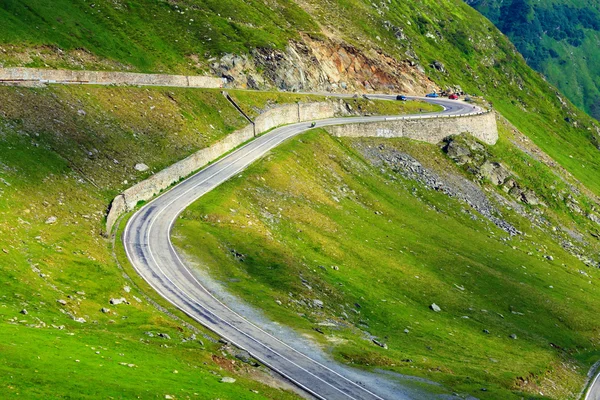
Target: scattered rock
(127, 289)
(105, 310)
(141, 167)
(550, 258)
(435, 307)
(227, 379)
(51, 220)
(486, 331)
(406, 331)
(80, 320)
(164, 336)
(513, 336)
(62, 302)
(24, 312)
(318, 303)
(438, 66)
(380, 344)
(121, 300)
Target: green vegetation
(557, 38)
(148, 35)
(65, 151)
(315, 220)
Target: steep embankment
(64, 153)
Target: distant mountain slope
(558, 38)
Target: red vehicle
(453, 96)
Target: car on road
(401, 97)
(453, 96)
(434, 94)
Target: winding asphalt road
(148, 246)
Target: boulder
(494, 172)
(51, 220)
(435, 307)
(458, 152)
(227, 379)
(438, 66)
(122, 300)
(141, 167)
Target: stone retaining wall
(277, 116)
(432, 130)
(33, 75)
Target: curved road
(149, 248)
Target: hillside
(65, 152)
(557, 38)
(351, 241)
(356, 224)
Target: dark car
(401, 97)
(434, 94)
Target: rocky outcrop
(321, 65)
(471, 154)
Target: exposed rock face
(466, 151)
(322, 65)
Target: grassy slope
(154, 36)
(145, 35)
(396, 255)
(64, 152)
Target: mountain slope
(549, 147)
(558, 38)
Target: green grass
(46, 170)
(148, 36)
(65, 151)
(315, 203)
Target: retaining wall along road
(35, 75)
(430, 129)
(427, 129)
(277, 116)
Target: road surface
(148, 246)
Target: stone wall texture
(432, 130)
(21, 75)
